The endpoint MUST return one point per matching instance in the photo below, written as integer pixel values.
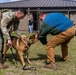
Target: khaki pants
(61, 39)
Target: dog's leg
(17, 54)
(28, 58)
(5, 50)
(21, 57)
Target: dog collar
(27, 41)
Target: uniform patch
(6, 20)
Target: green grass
(37, 55)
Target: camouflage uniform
(8, 22)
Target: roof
(39, 3)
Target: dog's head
(33, 38)
(30, 39)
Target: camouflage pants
(1, 44)
(61, 39)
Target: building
(68, 7)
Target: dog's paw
(29, 62)
(24, 67)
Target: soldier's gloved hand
(9, 43)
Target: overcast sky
(2, 1)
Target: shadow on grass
(40, 57)
(44, 57)
(58, 58)
(14, 59)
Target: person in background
(9, 22)
(62, 30)
(30, 26)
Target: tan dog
(21, 45)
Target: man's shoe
(3, 66)
(51, 66)
(61, 59)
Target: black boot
(2, 66)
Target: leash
(30, 68)
(24, 67)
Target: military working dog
(21, 45)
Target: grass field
(37, 55)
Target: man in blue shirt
(62, 30)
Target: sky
(2, 1)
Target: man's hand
(23, 36)
(9, 43)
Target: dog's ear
(36, 36)
(32, 37)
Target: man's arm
(44, 30)
(4, 22)
(43, 33)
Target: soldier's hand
(23, 36)
(9, 43)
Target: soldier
(9, 20)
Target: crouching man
(62, 30)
